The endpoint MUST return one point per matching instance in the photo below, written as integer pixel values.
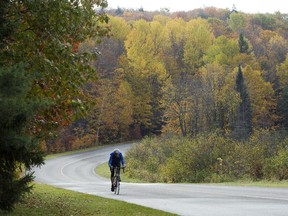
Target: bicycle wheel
(117, 189)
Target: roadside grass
(103, 171)
(262, 183)
(48, 200)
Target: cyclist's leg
(118, 172)
(112, 170)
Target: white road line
(65, 165)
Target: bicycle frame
(116, 180)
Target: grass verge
(262, 183)
(103, 171)
(48, 200)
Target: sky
(246, 6)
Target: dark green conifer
(243, 124)
(19, 151)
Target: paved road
(76, 172)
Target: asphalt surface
(77, 172)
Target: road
(77, 172)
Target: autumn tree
(111, 48)
(198, 38)
(262, 98)
(111, 116)
(224, 51)
(146, 45)
(237, 22)
(220, 100)
(44, 36)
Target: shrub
(210, 158)
(277, 166)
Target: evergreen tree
(243, 44)
(283, 106)
(5, 25)
(18, 150)
(243, 124)
(119, 11)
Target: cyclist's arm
(122, 160)
(110, 161)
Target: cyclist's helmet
(116, 152)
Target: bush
(210, 158)
(276, 167)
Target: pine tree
(243, 44)
(243, 124)
(18, 150)
(283, 106)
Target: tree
(282, 74)
(178, 102)
(19, 150)
(174, 58)
(198, 38)
(262, 98)
(45, 36)
(243, 44)
(111, 48)
(266, 21)
(112, 114)
(224, 51)
(243, 124)
(219, 99)
(237, 22)
(283, 106)
(146, 46)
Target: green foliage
(243, 124)
(45, 36)
(210, 158)
(237, 22)
(198, 38)
(276, 167)
(223, 51)
(243, 44)
(154, 149)
(17, 147)
(266, 21)
(180, 69)
(283, 106)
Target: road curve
(76, 172)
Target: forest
(206, 90)
(184, 73)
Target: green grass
(48, 201)
(103, 170)
(262, 183)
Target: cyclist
(115, 161)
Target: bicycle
(117, 180)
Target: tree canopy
(40, 65)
